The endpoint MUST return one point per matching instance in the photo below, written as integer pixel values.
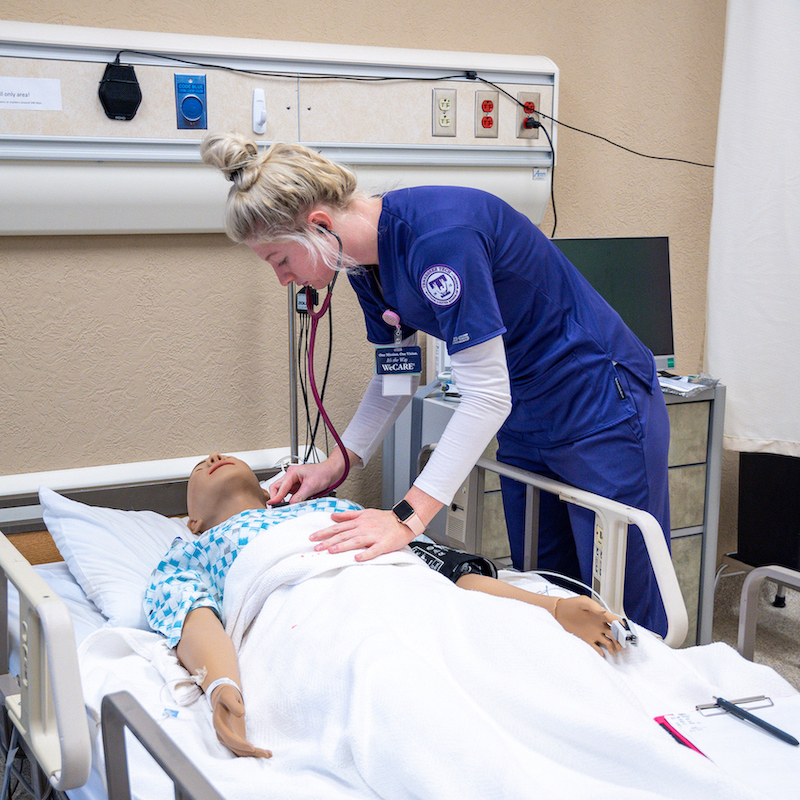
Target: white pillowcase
(110, 553)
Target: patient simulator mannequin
(184, 600)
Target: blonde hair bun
(233, 154)
(274, 191)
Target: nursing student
(540, 359)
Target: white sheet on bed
(379, 680)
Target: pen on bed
(746, 715)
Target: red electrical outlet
(527, 115)
(486, 114)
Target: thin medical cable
(558, 575)
(469, 74)
(302, 351)
(318, 399)
(311, 425)
(276, 74)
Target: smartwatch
(404, 511)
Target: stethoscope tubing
(316, 316)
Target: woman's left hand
(378, 531)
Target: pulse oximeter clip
(621, 631)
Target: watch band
(405, 512)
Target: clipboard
(756, 758)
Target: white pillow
(110, 553)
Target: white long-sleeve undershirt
(481, 374)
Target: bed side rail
(612, 520)
(120, 711)
(748, 604)
(48, 710)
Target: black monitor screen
(633, 277)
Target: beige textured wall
(128, 348)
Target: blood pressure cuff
(453, 563)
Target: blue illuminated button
(192, 107)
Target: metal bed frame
(42, 703)
(121, 711)
(612, 520)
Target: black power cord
(536, 124)
(312, 429)
(475, 76)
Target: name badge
(398, 361)
(397, 366)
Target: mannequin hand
(229, 722)
(377, 531)
(302, 481)
(587, 620)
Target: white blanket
(383, 680)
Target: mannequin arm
(205, 645)
(581, 616)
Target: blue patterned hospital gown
(193, 572)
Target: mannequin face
(219, 487)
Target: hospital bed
(49, 715)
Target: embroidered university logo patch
(441, 285)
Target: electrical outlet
(444, 112)
(527, 115)
(486, 111)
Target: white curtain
(753, 332)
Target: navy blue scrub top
(464, 266)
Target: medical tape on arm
(183, 698)
(481, 374)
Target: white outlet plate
(443, 118)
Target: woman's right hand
(302, 481)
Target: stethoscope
(391, 318)
(316, 316)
